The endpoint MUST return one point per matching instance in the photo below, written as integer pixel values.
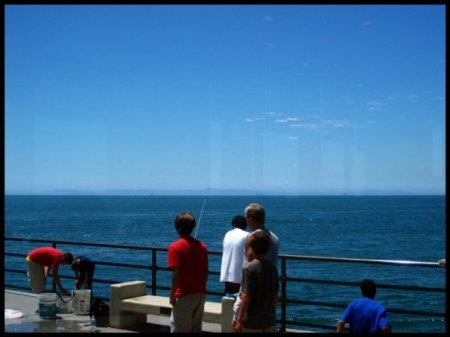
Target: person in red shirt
(40, 261)
(188, 259)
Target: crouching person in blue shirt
(365, 315)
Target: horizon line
(93, 194)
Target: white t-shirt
(233, 255)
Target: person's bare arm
(77, 280)
(85, 280)
(58, 281)
(245, 301)
(175, 285)
(206, 273)
(385, 329)
(340, 326)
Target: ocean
(409, 228)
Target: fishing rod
(199, 218)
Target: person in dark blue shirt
(365, 315)
(84, 271)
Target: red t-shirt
(46, 256)
(190, 256)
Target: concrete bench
(130, 304)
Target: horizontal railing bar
(109, 245)
(17, 287)
(97, 280)
(364, 261)
(393, 310)
(114, 264)
(317, 303)
(344, 283)
(15, 254)
(281, 256)
(125, 265)
(416, 312)
(310, 325)
(292, 279)
(140, 266)
(15, 271)
(118, 264)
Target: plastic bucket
(65, 305)
(81, 302)
(47, 305)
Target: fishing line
(199, 218)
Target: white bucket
(81, 301)
(47, 305)
(65, 305)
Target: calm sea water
(369, 227)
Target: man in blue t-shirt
(365, 315)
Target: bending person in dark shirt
(84, 271)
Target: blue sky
(301, 99)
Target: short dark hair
(185, 223)
(67, 257)
(239, 221)
(368, 288)
(259, 241)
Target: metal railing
(285, 299)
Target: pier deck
(28, 303)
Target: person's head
(256, 216)
(184, 223)
(66, 258)
(368, 288)
(239, 221)
(257, 244)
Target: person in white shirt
(233, 256)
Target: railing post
(283, 294)
(154, 266)
(53, 280)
